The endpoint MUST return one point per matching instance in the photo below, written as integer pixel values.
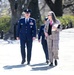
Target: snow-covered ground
(10, 57)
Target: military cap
(27, 11)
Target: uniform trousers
(45, 48)
(27, 42)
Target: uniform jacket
(26, 29)
(41, 33)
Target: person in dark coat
(43, 41)
(26, 32)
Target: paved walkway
(10, 58)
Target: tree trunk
(16, 14)
(35, 11)
(16, 10)
(56, 7)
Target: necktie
(26, 20)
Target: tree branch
(50, 4)
(67, 6)
(43, 6)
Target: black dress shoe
(51, 64)
(28, 63)
(23, 61)
(55, 62)
(47, 61)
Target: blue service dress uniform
(26, 31)
(43, 41)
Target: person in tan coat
(51, 31)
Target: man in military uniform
(43, 40)
(26, 32)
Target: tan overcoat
(53, 40)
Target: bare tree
(68, 4)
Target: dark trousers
(45, 48)
(26, 43)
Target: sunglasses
(49, 15)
